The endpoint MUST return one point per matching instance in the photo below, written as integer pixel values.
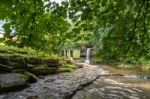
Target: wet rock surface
(88, 82)
(104, 88)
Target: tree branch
(144, 14)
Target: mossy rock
(43, 70)
(53, 64)
(71, 66)
(5, 68)
(4, 51)
(4, 60)
(17, 65)
(12, 81)
(17, 59)
(31, 77)
(18, 70)
(33, 60)
(68, 68)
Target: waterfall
(87, 61)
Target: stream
(89, 82)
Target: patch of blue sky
(1, 25)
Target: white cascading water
(87, 61)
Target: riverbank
(89, 82)
(32, 75)
(20, 67)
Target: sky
(1, 24)
(1, 29)
(58, 1)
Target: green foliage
(118, 30)
(34, 25)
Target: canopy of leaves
(118, 29)
(36, 23)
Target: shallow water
(134, 77)
(110, 89)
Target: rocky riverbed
(19, 68)
(89, 82)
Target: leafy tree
(120, 28)
(37, 23)
(117, 29)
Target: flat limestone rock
(59, 86)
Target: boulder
(12, 81)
